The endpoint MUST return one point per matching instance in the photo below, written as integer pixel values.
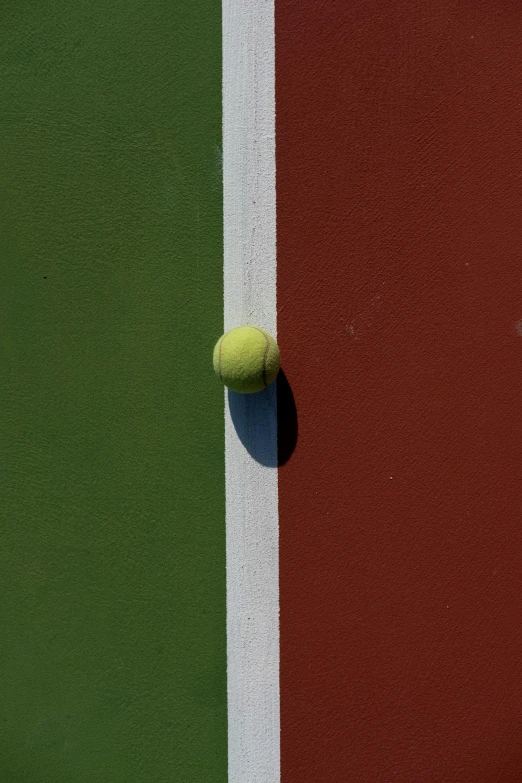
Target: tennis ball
(246, 359)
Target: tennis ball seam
(267, 348)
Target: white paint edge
(251, 487)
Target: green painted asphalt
(112, 516)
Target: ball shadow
(287, 424)
(266, 422)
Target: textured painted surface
(399, 138)
(112, 554)
(251, 420)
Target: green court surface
(112, 521)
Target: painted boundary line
(251, 482)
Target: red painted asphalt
(399, 190)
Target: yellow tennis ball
(246, 359)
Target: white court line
(251, 420)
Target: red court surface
(399, 206)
